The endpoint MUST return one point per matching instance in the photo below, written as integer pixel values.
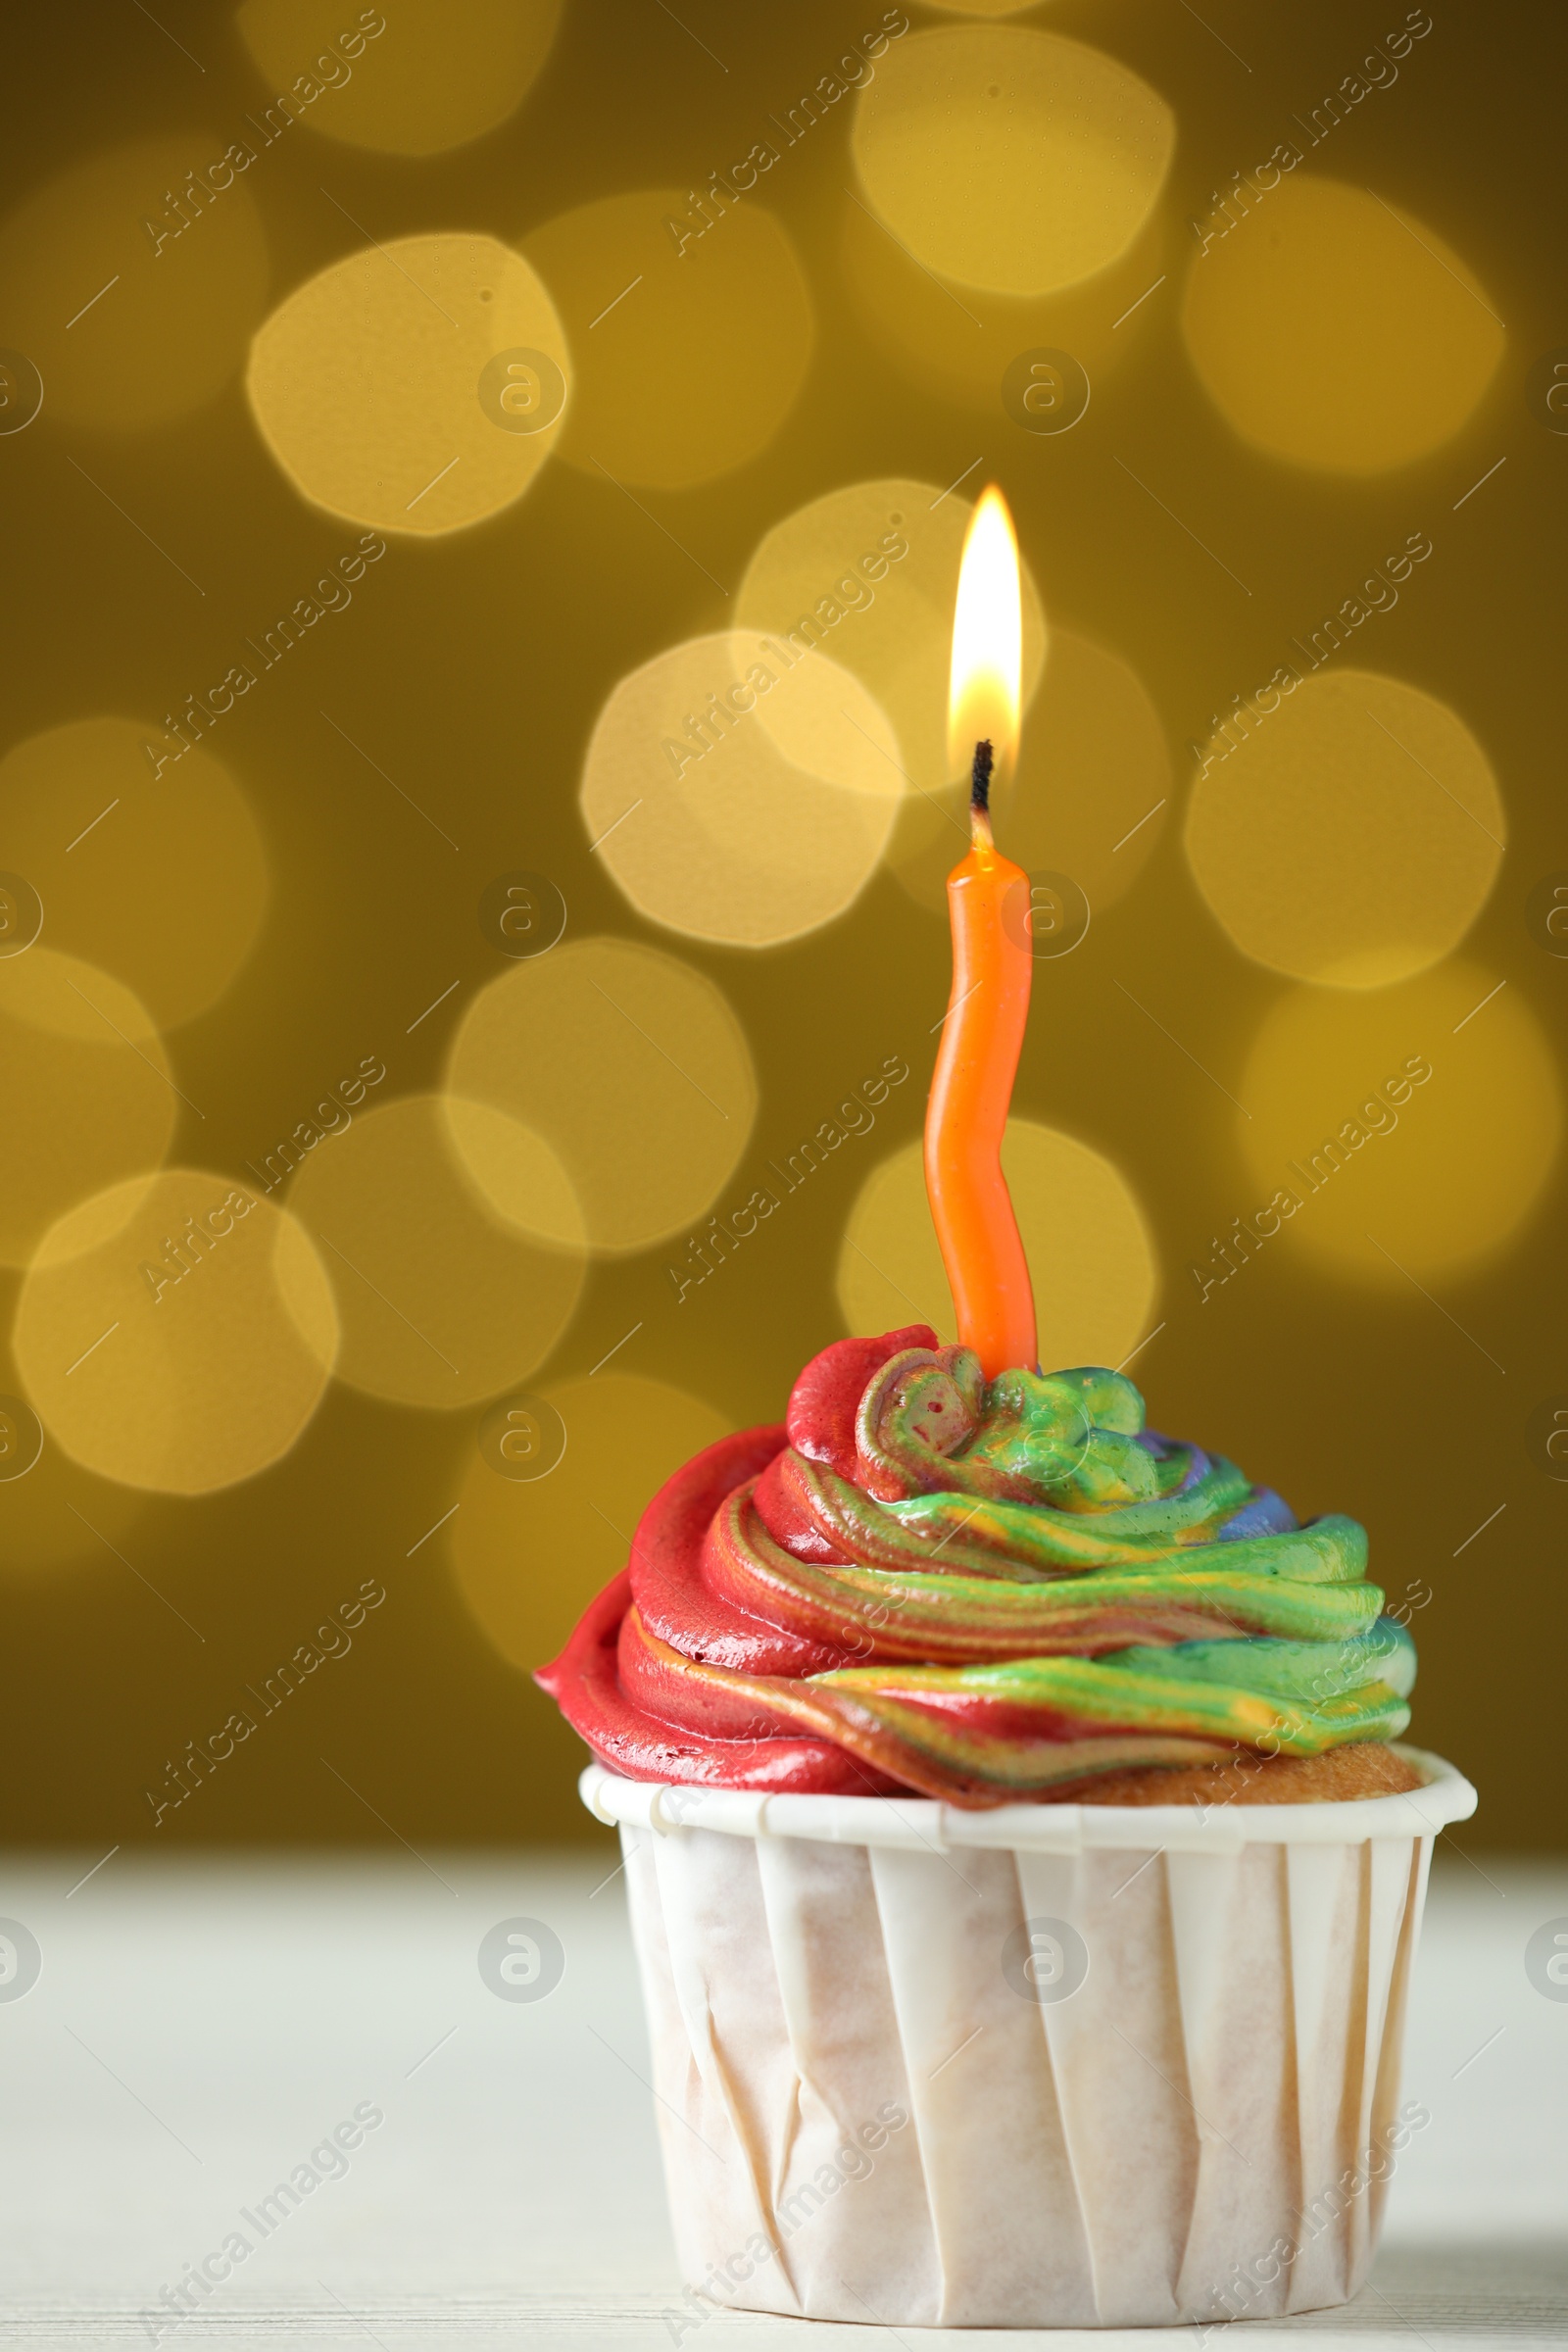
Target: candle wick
(980, 791)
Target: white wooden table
(198, 2028)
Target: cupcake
(1023, 1877)
(1023, 1874)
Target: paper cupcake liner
(1048, 2066)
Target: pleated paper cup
(1047, 2066)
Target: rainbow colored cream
(979, 1591)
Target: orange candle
(988, 900)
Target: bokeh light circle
(528, 1556)
(175, 1332)
(1336, 331)
(1402, 1177)
(1352, 837)
(1089, 795)
(133, 283)
(365, 382)
(455, 1271)
(742, 788)
(432, 75)
(86, 1087)
(156, 870)
(633, 1069)
(691, 342)
(1010, 158)
(1089, 1255)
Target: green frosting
(1038, 1540)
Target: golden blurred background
(485, 482)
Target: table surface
(197, 2028)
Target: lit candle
(988, 900)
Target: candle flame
(987, 642)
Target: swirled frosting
(979, 1591)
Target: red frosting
(824, 1404)
(620, 1691)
